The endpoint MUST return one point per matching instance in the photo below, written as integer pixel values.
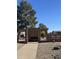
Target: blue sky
(48, 12)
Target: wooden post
(25, 36)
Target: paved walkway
(28, 51)
(20, 45)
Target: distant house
(54, 36)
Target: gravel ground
(45, 51)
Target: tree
(42, 26)
(25, 15)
